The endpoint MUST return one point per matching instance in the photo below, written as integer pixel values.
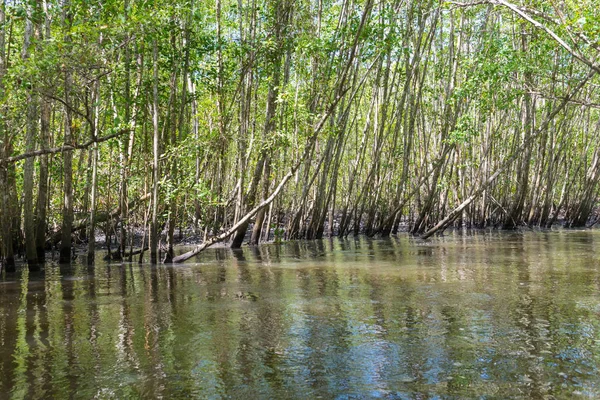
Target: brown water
(492, 315)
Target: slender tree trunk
(91, 234)
(123, 200)
(155, 165)
(31, 130)
(514, 216)
(42, 197)
(67, 212)
(282, 18)
(260, 215)
(5, 220)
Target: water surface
(487, 315)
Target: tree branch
(62, 149)
(551, 33)
(526, 12)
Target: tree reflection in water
(508, 315)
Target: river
(488, 314)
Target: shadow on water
(490, 314)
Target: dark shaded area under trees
(300, 119)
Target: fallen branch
(243, 220)
(524, 13)
(62, 149)
(117, 257)
(573, 101)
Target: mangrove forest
(143, 124)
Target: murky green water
(493, 315)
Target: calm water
(492, 315)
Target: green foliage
(464, 131)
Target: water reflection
(498, 315)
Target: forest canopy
(281, 119)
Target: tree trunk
(91, 234)
(155, 165)
(67, 212)
(30, 134)
(5, 220)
